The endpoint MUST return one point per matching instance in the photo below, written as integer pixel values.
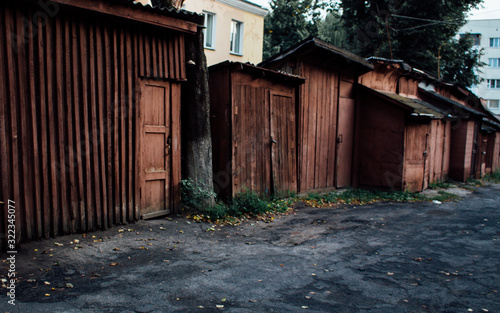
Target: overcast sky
(491, 9)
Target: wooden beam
(138, 15)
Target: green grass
(445, 196)
(249, 204)
(493, 177)
(441, 184)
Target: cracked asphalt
(383, 257)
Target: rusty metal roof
(312, 45)
(173, 12)
(460, 108)
(259, 71)
(417, 107)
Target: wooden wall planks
(68, 116)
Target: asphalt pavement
(382, 257)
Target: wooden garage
(89, 112)
(394, 140)
(326, 114)
(254, 129)
(474, 136)
(421, 127)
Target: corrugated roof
(459, 106)
(173, 12)
(420, 108)
(262, 72)
(417, 107)
(312, 42)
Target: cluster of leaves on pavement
(250, 205)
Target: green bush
(195, 195)
(249, 202)
(493, 177)
(217, 211)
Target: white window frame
(493, 83)
(236, 37)
(494, 62)
(494, 106)
(209, 30)
(495, 42)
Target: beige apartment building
(234, 29)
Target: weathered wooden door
(283, 143)
(416, 170)
(345, 142)
(156, 129)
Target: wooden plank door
(283, 143)
(416, 167)
(345, 142)
(155, 120)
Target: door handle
(273, 141)
(340, 138)
(169, 144)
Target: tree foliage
(412, 30)
(289, 22)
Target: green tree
(289, 22)
(412, 30)
(461, 64)
(332, 30)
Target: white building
(234, 29)
(486, 34)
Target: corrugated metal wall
(68, 116)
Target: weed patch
(493, 177)
(247, 204)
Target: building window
(475, 38)
(495, 42)
(493, 83)
(209, 30)
(236, 37)
(493, 104)
(495, 62)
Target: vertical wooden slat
(94, 143)
(89, 205)
(161, 60)
(141, 48)
(129, 125)
(177, 60)
(45, 163)
(101, 115)
(171, 60)
(25, 203)
(154, 57)
(53, 158)
(37, 208)
(176, 145)
(71, 157)
(182, 53)
(136, 143)
(147, 54)
(167, 65)
(5, 159)
(123, 117)
(60, 140)
(333, 97)
(116, 115)
(77, 104)
(108, 107)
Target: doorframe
(290, 95)
(174, 152)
